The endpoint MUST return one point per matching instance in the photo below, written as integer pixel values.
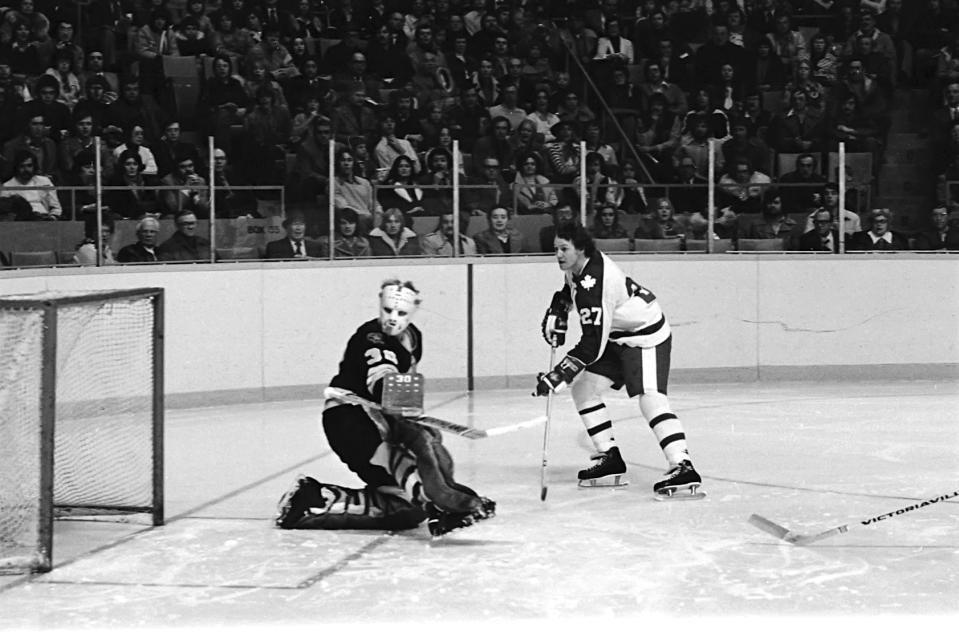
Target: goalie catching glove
(555, 322)
(561, 376)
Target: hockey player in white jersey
(626, 341)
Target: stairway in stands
(906, 182)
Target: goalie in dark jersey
(626, 340)
(407, 471)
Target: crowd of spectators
(648, 85)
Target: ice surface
(809, 456)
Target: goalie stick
(789, 536)
(346, 396)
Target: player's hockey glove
(561, 375)
(555, 322)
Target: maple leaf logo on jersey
(588, 282)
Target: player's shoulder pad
(592, 275)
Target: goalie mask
(398, 303)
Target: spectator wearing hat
(348, 241)
(137, 196)
(35, 141)
(144, 249)
(185, 245)
(390, 147)
(563, 152)
(191, 191)
(295, 245)
(37, 189)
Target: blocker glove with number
(556, 320)
(561, 375)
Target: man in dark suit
(145, 248)
(295, 245)
(939, 235)
(823, 236)
(879, 236)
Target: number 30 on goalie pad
(403, 394)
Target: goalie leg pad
(340, 508)
(435, 467)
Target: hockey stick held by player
(626, 342)
(407, 471)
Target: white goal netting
(100, 411)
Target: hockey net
(80, 414)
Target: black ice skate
(607, 471)
(681, 483)
(297, 500)
(440, 522)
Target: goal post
(81, 414)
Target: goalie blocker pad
(334, 507)
(403, 394)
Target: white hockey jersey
(613, 308)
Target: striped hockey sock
(595, 417)
(669, 432)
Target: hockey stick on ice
(789, 536)
(346, 396)
(549, 417)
